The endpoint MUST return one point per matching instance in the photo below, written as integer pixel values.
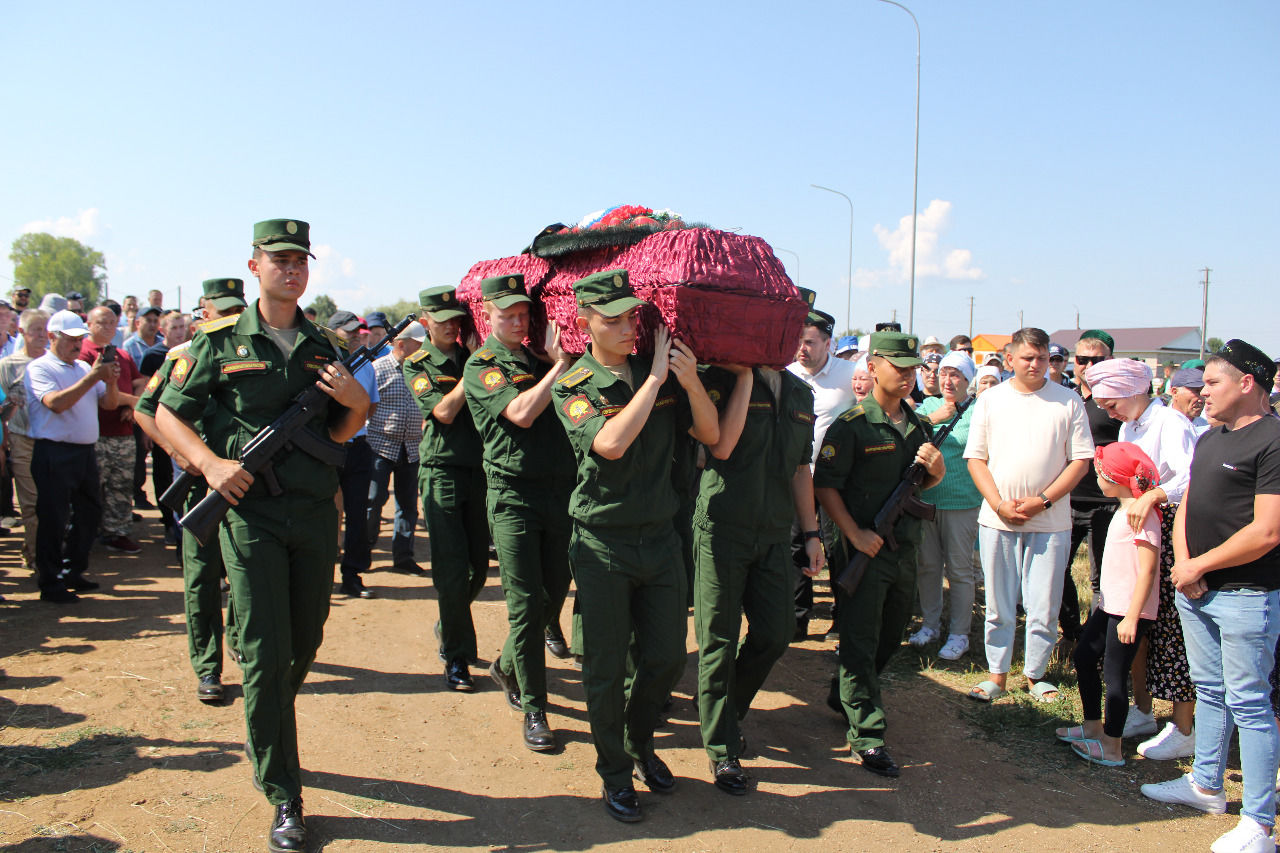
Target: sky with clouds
(1085, 158)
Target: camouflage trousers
(115, 472)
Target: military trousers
(736, 574)
(202, 574)
(632, 589)
(453, 503)
(530, 524)
(279, 555)
(871, 623)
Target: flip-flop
(986, 691)
(1074, 734)
(1092, 753)
(1040, 688)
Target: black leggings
(1098, 642)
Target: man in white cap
(395, 430)
(63, 398)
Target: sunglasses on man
(1084, 360)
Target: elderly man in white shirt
(831, 379)
(1186, 397)
(63, 397)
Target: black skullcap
(1247, 358)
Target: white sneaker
(1249, 836)
(1169, 744)
(957, 645)
(1184, 793)
(923, 637)
(1137, 724)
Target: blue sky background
(1087, 156)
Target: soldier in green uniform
(756, 480)
(278, 550)
(451, 480)
(202, 570)
(528, 468)
(622, 413)
(861, 461)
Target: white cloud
(955, 264)
(81, 226)
(334, 274)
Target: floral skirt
(1168, 675)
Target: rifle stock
(903, 501)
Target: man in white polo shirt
(832, 382)
(63, 397)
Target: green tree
(49, 264)
(395, 311)
(324, 307)
(1213, 344)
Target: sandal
(1091, 751)
(1072, 734)
(986, 691)
(1040, 691)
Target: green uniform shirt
(430, 375)
(635, 491)
(235, 368)
(149, 399)
(493, 377)
(751, 490)
(863, 457)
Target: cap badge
(911, 343)
(511, 284)
(446, 296)
(231, 284)
(242, 350)
(617, 281)
(291, 227)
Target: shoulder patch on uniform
(421, 385)
(828, 452)
(418, 356)
(575, 377)
(852, 413)
(485, 354)
(492, 378)
(154, 382)
(220, 323)
(714, 395)
(578, 408)
(181, 369)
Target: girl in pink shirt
(1127, 610)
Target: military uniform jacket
(149, 399)
(635, 491)
(863, 457)
(751, 490)
(430, 375)
(236, 369)
(493, 377)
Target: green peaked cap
(279, 235)
(898, 347)
(504, 290)
(224, 292)
(608, 292)
(441, 303)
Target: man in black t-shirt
(1091, 510)
(1226, 543)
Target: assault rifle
(286, 432)
(903, 501)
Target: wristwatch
(812, 534)
(1047, 503)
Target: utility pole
(894, 317)
(971, 318)
(1020, 318)
(1204, 312)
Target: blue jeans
(1231, 641)
(1029, 566)
(405, 474)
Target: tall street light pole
(848, 304)
(794, 255)
(915, 177)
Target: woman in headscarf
(946, 545)
(1122, 387)
(987, 376)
